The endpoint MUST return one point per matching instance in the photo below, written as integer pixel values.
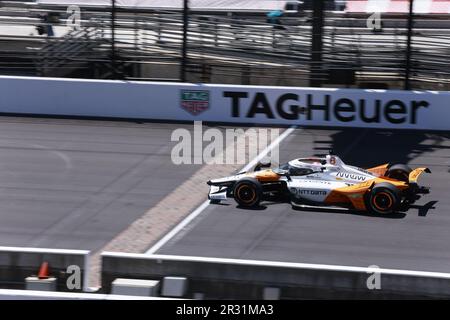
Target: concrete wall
(18, 263)
(424, 110)
(231, 279)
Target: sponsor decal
(324, 107)
(364, 171)
(315, 181)
(350, 176)
(195, 101)
(311, 192)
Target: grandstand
(196, 5)
(398, 6)
(237, 48)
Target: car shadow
(395, 215)
(263, 206)
(258, 208)
(220, 204)
(366, 148)
(424, 209)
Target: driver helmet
(331, 160)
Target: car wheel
(248, 192)
(399, 172)
(384, 198)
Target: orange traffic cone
(43, 271)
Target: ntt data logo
(195, 101)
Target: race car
(324, 181)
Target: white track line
(205, 204)
(14, 294)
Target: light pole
(316, 43)
(184, 45)
(113, 39)
(407, 85)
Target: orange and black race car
(324, 181)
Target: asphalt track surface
(416, 240)
(75, 184)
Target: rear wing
(416, 173)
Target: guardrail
(16, 264)
(247, 279)
(217, 278)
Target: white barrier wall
(18, 263)
(226, 103)
(246, 279)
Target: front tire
(248, 192)
(384, 198)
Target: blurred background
(380, 44)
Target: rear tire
(248, 192)
(384, 198)
(399, 172)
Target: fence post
(113, 39)
(407, 85)
(316, 42)
(184, 45)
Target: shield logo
(195, 101)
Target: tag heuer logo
(195, 101)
